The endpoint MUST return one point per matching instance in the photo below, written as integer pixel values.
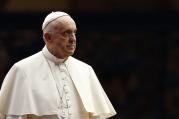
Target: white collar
(51, 57)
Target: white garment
(69, 97)
(26, 117)
(15, 117)
(42, 117)
(29, 88)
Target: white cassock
(42, 85)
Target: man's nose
(72, 37)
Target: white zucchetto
(52, 16)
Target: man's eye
(69, 33)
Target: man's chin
(71, 52)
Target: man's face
(62, 41)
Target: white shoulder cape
(29, 88)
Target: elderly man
(51, 84)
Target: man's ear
(47, 37)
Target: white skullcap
(51, 17)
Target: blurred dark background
(132, 45)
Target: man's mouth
(71, 46)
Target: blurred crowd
(139, 69)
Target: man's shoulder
(78, 62)
(30, 60)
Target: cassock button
(69, 106)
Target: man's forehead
(62, 23)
